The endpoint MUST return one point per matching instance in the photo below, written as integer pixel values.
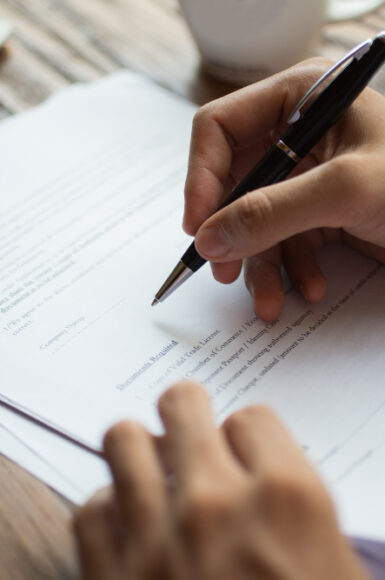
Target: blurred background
(58, 42)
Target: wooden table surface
(56, 43)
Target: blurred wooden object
(56, 43)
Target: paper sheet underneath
(90, 227)
(73, 472)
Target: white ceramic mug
(244, 40)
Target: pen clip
(357, 52)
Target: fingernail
(213, 242)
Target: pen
(306, 129)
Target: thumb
(330, 195)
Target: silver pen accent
(289, 152)
(179, 275)
(307, 128)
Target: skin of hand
(202, 503)
(337, 193)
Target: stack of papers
(90, 218)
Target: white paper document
(19, 451)
(90, 225)
(70, 470)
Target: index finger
(194, 446)
(235, 121)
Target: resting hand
(242, 503)
(336, 194)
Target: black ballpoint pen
(305, 130)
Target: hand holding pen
(336, 193)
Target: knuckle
(303, 499)
(255, 214)
(276, 491)
(317, 65)
(203, 509)
(307, 71)
(341, 168)
(204, 114)
(279, 488)
(247, 215)
(349, 175)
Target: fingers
(96, 538)
(286, 487)
(139, 478)
(261, 442)
(264, 281)
(302, 267)
(237, 120)
(263, 273)
(208, 170)
(227, 272)
(195, 447)
(329, 195)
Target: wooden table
(56, 43)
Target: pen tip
(155, 302)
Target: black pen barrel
(328, 107)
(192, 259)
(275, 166)
(305, 133)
